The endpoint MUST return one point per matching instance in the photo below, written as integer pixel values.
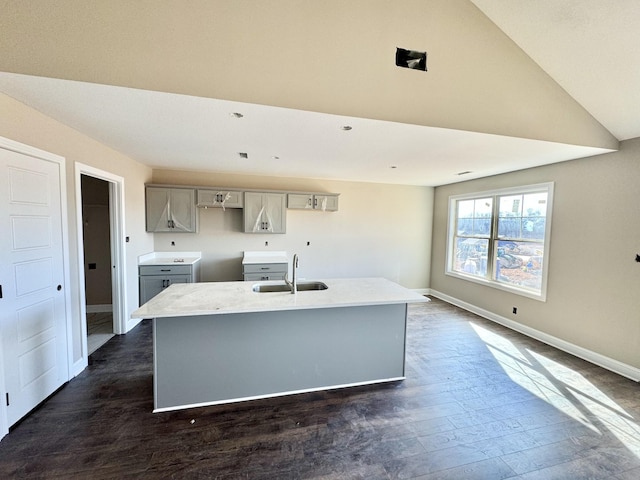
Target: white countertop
(170, 258)
(210, 298)
(264, 257)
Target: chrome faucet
(293, 285)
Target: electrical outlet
(515, 310)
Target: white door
(32, 305)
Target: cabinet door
(327, 203)
(170, 209)
(157, 210)
(152, 285)
(275, 212)
(252, 212)
(182, 210)
(299, 201)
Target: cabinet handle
(165, 269)
(315, 202)
(265, 268)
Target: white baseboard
(99, 308)
(78, 367)
(601, 360)
(132, 322)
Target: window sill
(541, 297)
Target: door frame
(118, 258)
(24, 149)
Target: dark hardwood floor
(479, 402)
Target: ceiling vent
(411, 59)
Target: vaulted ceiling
(161, 80)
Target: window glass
(471, 256)
(500, 238)
(520, 264)
(522, 216)
(474, 217)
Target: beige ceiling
(590, 47)
(158, 81)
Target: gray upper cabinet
(211, 198)
(309, 201)
(264, 212)
(171, 209)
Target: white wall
(594, 280)
(379, 230)
(23, 124)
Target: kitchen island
(225, 342)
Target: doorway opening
(99, 206)
(96, 235)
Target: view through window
(502, 238)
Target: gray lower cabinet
(264, 212)
(264, 271)
(155, 278)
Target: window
(501, 238)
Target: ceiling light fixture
(393, 166)
(236, 115)
(346, 128)
(243, 154)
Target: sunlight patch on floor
(564, 388)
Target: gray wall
(593, 296)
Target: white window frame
(488, 281)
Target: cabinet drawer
(265, 268)
(164, 270)
(264, 276)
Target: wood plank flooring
(99, 330)
(479, 402)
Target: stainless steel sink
(280, 287)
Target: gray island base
(213, 352)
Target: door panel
(32, 310)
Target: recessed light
(346, 128)
(236, 115)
